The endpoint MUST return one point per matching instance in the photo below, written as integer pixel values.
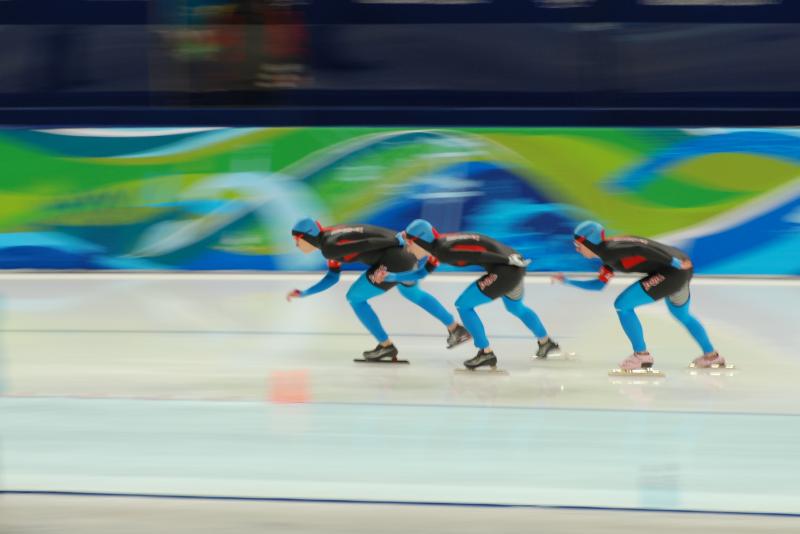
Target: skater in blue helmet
(668, 272)
(504, 278)
(384, 252)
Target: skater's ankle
(543, 340)
(487, 350)
(641, 353)
(452, 327)
(710, 355)
(387, 343)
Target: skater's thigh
(666, 283)
(634, 295)
(502, 280)
(363, 289)
(680, 297)
(410, 290)
(517, 292)
(472, 296)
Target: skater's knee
(683, 315)
(464, 302)
(412, 293)
(464, 309)
(631, 298)
(620, 304)
(355, 304)
(679, 312)
(354, 296)
(514, 306)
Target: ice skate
(482, 359)
(381, 354)
(548, 348)
(710, 361)
(638, 363)
(458, 336)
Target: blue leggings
(362, 290)
(625, 303)
(427, 302)
(635, 296)
(358, 295)
(472, 298)
(694, 327)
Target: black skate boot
(381, 353)
(546, 348)
(481, 359)
(457, 337)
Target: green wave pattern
(351, 168)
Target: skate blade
(632, 380)
(560, 355)
(362, 360)
(715, 367)
(637, 372)
(480, 371)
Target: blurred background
(189, 134)
(571, 53)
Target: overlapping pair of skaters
(393, 261)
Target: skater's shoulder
(449, 237)
(643, 244)
(460, 237)
(354, 231)
(338, 229)
(623, 244)
(621, 241)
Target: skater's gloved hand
(293, 294)
(401, 239)
(379, 275)
(518, 261)
(681, 264)
(557, 278)
(431, 264)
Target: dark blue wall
(339, 62)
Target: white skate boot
(638, 363)
(637, 360)
(710, 361)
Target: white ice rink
(214, 386)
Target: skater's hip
(502, 280)
(666, 282)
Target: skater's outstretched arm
(328, 281)
(416, 274)
(597, 284)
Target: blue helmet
(306, 226)
(422, 230)
(308, 229)
(590, 232)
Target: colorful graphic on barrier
(225, 198)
